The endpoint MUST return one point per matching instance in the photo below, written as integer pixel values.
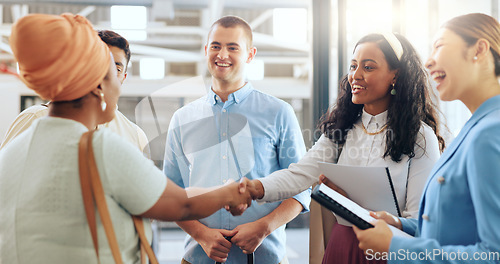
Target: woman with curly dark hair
(384, 117)
(459, 209)
(391, 101)
(408, 102)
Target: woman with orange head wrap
(42, 216)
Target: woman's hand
(388, 218)
(239, 199)
(376, 239)
(323, 179)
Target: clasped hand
(241, 198)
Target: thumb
(376, 215)
(243, 185)
(228, 233)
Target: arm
(481, 162)
(175, 166)
(290, 148)
(249, 236)
(298, 177)
(178, 204)
(212, 241)
(153, 195)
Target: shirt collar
(378, 120)
(236, 97)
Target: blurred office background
(304, 47)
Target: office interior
(304, 48)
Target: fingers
(240, 201)
(388, 218)
(382, 215)
(256, 189)
(238, 210)
(248, 251)
(215, 245)
(229, 233)
(323, 179)
(243, 185)
(217, 257)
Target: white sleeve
(299, 176)
(426, 155)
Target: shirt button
(425, 217)
(223, 110)
(224, 157)
(223, 134)
(440, 180)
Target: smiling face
(370, 78)
(227, 54)
(449, 65)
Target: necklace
(374, 133)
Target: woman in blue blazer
(460, 209)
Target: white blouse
(361, 149)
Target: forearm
(175, 204)
(193, 227)
(284, 213)
(205, 204)
(284, 184)
(299, 176)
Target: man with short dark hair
(235, 131)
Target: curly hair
(409, 107)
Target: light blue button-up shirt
(250, 135)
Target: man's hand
(323, 179)
(388, 218)
(377, 239)
(241, 198)
(249, 236)
(214, 243)
(254, 187)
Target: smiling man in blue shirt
(234, 131)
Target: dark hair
(472, 27)
(234, 21)
(409, 107)
(114, 39)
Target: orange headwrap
(60, 57)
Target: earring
(393, 91)
(475, 58)
(103, 103)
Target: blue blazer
(459, 217)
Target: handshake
(242, 193)
(247, 190)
